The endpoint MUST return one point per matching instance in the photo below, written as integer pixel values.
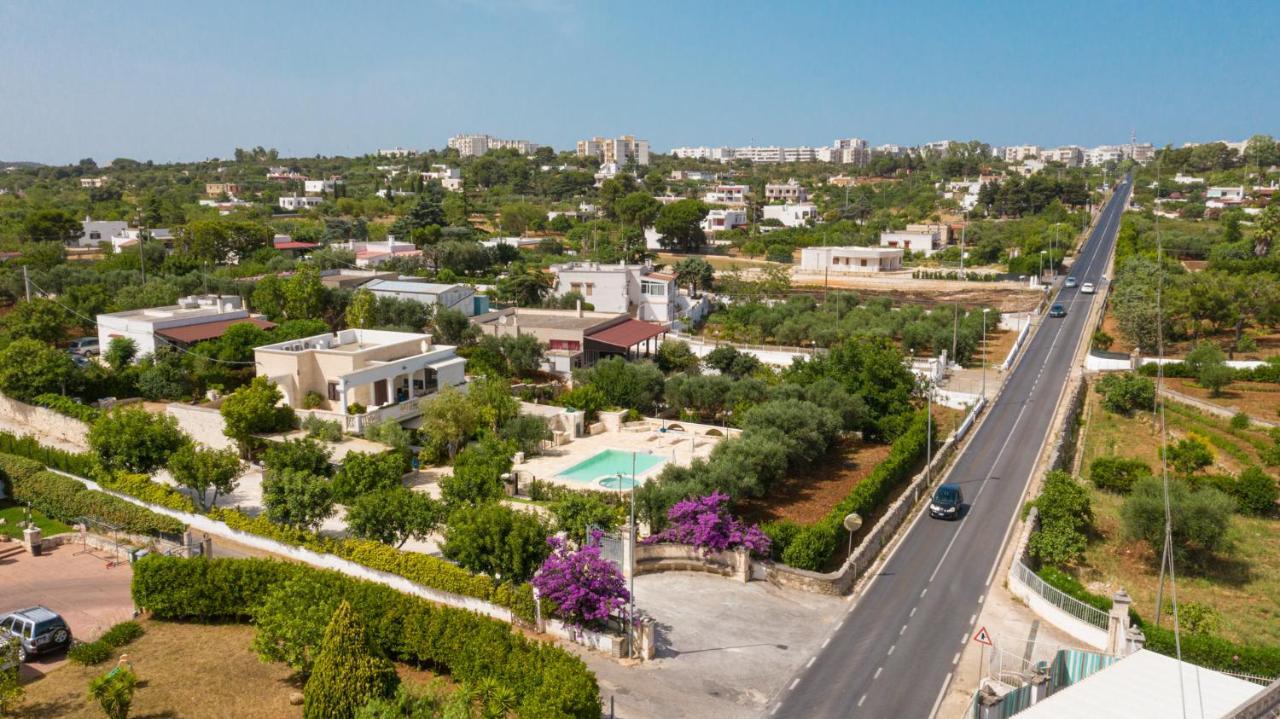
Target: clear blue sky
(182, 80)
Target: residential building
(789, 191)
(850, 259)
(894, 150)
(477, 145)
(1142, 153)
(129, 237)
(321, 186)
(942, 230)
(574, 338)
(386, 373)
(450, 178)
(850, 151)
(194, 319)
(291, 247)
(1030, 167)
(1235, 194)
(1182, 179)
(96, 231)
(721, 219)
(225, 207)
(727, 195)
(790, 214)
(349, 279)
(1101, 155)
(965, 192)
(924, 242)
(372, 254)
(622, 150)
(284, 175)
(941, 147)
(636, 290)
(842, 181)
(462, 298)
(607, 171)
(218, 189)
(1018, 153)
(397, 151)
(1068, 156)
(94, 182)
(718, 154)
(693, 176)
(294, 203)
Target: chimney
(579, 304)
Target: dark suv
(946, 502)
(39, 630)
(1057, 311)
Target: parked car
(39, 630)
(1087, 288)
(1057, 311)
(946, 502)
(84, 346)
(1071, 282)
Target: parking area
(724, 648)
(87, 592)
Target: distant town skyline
(153, 81)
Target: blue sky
(183, 81)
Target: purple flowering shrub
(585, 587)
(705, 522)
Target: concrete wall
(1043, 608)
(204, 424)
(42, 422)
(654, 558)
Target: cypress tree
(346, 675)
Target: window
(653, 289)
(334, 394)
(95, 235)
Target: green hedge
(291, 605)
(65, 405)
(81, 463)
(1207, 651)
(67, 499)
(420, 568)
(811, 546)
(142, 487)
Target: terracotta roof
(627, 333)
(209, 330)
(661, 275)
(294, 245)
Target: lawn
(184, 670)
(1243, 586)
(14, 514)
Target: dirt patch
(1258, 399)
(807, 498)
(997, 348)
(1268, 344)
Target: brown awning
(190, 334)
(627, 333)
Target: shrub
(68, 499)
(346, 674)
(1117, 474)
(1189, 456)
(114, 692)
(1065, 516)
(89, 653)
(133, 439)
(292, 604)
(575, 511)
(477, 473)
(497, 540)
(297, 498)
(321, 429)
(65, 405)
(705, 523)
(356, 408)
(1201, 518)
(121, 634)
(584, 587)
(1255, 492)
(1123, 392)
(81, 463)
(780, 534)
(303, 455)
(1240, 421)
(312, 400)
(364, 472)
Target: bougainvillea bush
(705, 522)
(584, 586)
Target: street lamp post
(985, 310)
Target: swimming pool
(601, 470)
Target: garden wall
(204, 424)
(654, 558)
(45, 424)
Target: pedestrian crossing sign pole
(983, 638)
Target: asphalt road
(894, 652)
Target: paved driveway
(88, 594)
(724, 647)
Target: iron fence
(1059, 599)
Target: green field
(13, 515)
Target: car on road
(84, 346)
(1071, 282)
(1057, 311)
(946, 502)
(39, 630)
(1087, 288)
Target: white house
(789, 191)
(294, 202)
(193, 319)
(922, 241)
(796, 214)
(129, 237)
(721, 219)
(454, 297)
(321, 186)
(1182, 179)
(96, 231)
(1229, 194)
(636, 290)
(372, 254)
(727, 195)
(450, 178)
(850, 259)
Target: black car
(1057, 311)
(39, 630)
(946, 502)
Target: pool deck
(676, 447)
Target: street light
(985, 310)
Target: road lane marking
(776, 707)
(862, 699)
(895, 646)
(941, 693)
(923, 592)
(964, 637)
(972, 618)
(913, 610)
(811, 661)
(825, 642)
(956, 659)
(877, 674)
(794, 682)
(980, 598)
(903, 630)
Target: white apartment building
(721, 219)
(850, 259)
(619, 150)
(1018, 153)
(1143, 152)
(894, 150)
(95, 231)
(941, 147)
(87, 182)
(637, 290)
(718, 154)
(397, 151)
(1182, 179)
(1068, 155)
(727, 195)
(792, 214)
(925, 242)
(1101, 155)
(789, 191)
(321, 186)
(129, 237)
(372, 254)
(965, 192)
(194, 319)
(294, 203)
(475, 145)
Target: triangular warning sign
(982, 637)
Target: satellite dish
(852, 522)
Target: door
(380, 392)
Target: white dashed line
(825, 642)
(794, 682)
(923, 592)
(863, 698)
(877, 674)
(956, 659)
(903, 630)
(811, 661)
(776, 707)
(895, 646)
(973, 618)
(913, 611)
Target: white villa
(850, 259)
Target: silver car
(39, 630)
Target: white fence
(1017, 345)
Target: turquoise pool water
(603, 468)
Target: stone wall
(46, 425)
(204, 424)
(653, 558)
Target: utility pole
(142, 246)
(26, 281)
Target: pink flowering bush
(585, 587)
(705, 522)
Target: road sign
(982, 637)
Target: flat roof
(627, 334)
(210, 330)
(409, 286)
(547, 319)
(859, 250)
(169, 312)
